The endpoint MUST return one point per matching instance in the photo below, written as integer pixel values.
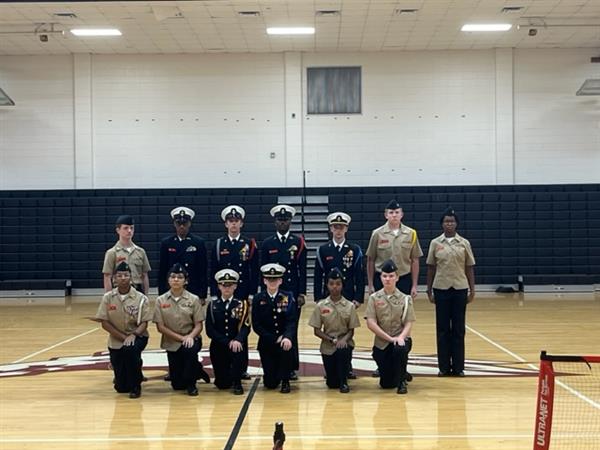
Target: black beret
(178, 268)
(125, 219)
(393, 204)
(389, 266)
(449, 212)
(123, 267)
(335, 274)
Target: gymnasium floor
(59, 395)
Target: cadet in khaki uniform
(179, 315)
(126, 250)
(334, 320)
(228, 325)
(397, 242)
(390, 315)
(124, 313)
(450, 285)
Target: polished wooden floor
(48, 406)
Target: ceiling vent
(406, 11)
(65, 15)
(511, 9)
(328, 13)
(249, 13)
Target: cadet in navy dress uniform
(228, 325)
(334, 320)
(274, 319)
(289, 251)
(345, 256)
(124, 313)
(178, 315)
(188, 250)
(390, 316)
(237, 252)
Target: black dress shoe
(238, 389)
(409, 377)
(246, 376)
(375, 374)
(167, 377)
(192, 391)
(403, 388)
(458, 374)
(443, 374)
(285, 387)
(204, 376)
(351, 375)
(293, 375)
(135, 393)
(344, 389)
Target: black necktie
(283, 239)
(233, 241)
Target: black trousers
(276, 363)
(404, 283)
(127, 365)
(450, 311)
(227, 365)
(391, 363)
(336, 367)
(184, 367)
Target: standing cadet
(397, 242)
(237, 252)
(450, 285)
(188, 250)
(133, 255)
(178, 315)
(289, 251)
(124, 313)
(390, 316)
(334, 320)
(228, 325)
(275, 318)
(345, 256)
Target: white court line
(534, 367)
(317, 437)
(263, 438)
(54, 346)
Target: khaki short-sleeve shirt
(336, 319)
(124, 313)
(389, 313)
(401, 247)
(135, 256)
(179, 315)
(450, 256)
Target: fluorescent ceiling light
(291, 30)
(96, 32)
(486, 27)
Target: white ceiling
(362, 25)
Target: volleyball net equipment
(568, 403)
